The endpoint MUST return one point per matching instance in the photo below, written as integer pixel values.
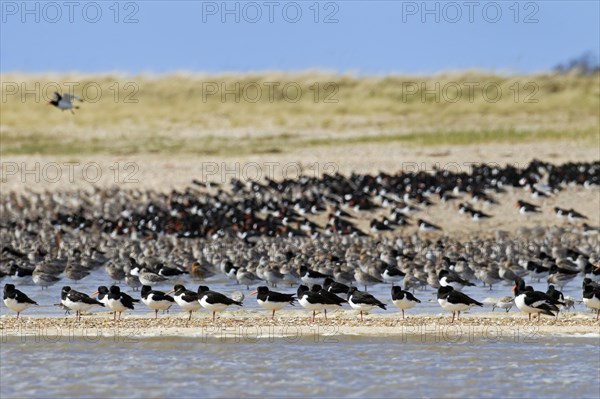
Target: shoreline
(290, 327)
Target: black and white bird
(65, 101)
(455, 301)
(186, 299)
(427, 227)
(16, 300)
(533, 302)
(334, 300)
(102, 294)
(21, 275)
(452, 279)
(392, 275)
(119, 301)
(525, 208)
(77, 301)
(335, 287)
(403, 299)
(156, 300)
(591, 298)
(214, 301)
(312, 277)
(558, 296)
(363, 301)
(312, 300)
(272, 300)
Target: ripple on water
(185, 367)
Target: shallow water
(349, 367)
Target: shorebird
(591, 298)
(312, 300)
(335, 287)
(77, 301)
(312, 277)
(452, 279)
(363, 301)
(186, 299)
(65, 101)
(365, 278)
(403, 299)
(214, 301)
(333, 300)
(272, 300)
(102, 294)
(16, 300)
(455, 301)
(427, 227)
(156, 300)
(533, 302)
(21, 275)
(119, 301)
(44, 280)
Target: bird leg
(325, 314)
(155, 314)
(403, 313)
(114, 316)
(529, 316)
(214, 313)
(313, 320)
(361, 316)
(597, 314)
(18, 315)
(273, 315)
(453, 314)
(190, 318)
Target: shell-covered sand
(295, 325)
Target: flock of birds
(262, 234)
(317, 298)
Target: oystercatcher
(392, 275)
(16, 300)
(335, 287)
(557, 296)
(452, 279)
(65, 101)
(455, 301)
(530, 301)
(334, 300)
(214, 301)
(591, 298)
(156, 300)
(312, 300)
(20, 274)
(312, 277)
(119, 301)
(102, 294)
(363, 301)
(186, 299)
(525, 208)
(77, 301)
(272, 300)
(427, 227)
(403, 299)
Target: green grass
(171, 116)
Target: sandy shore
(294, 326)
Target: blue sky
(366, 37)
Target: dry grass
(174, 115)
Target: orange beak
(95, 293)
(254, 293)
(514, 288)
(170, 292)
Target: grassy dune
(190, 114)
